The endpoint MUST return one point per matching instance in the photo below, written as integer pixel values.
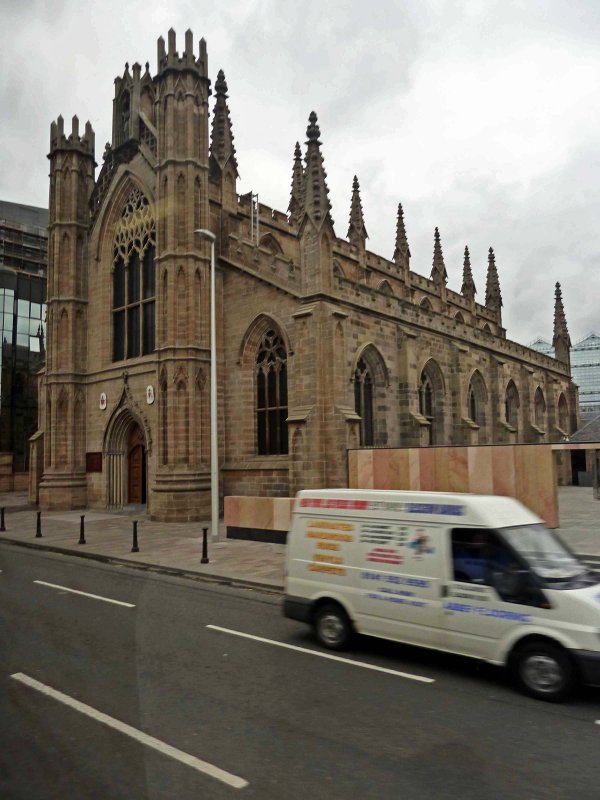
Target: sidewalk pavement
(176, 547)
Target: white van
(469, 574)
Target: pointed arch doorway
(126, 459)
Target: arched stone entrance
(126, 462)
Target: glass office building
(23, 263)
(585, 369)
(585, 366)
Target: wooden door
(136, 463)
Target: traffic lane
(50, 751)
(90, 651)
(148, 590)
(200, 602)
(216, 671)
(416, 737)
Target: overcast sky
(481, 117)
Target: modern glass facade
(585, 366)
(23, 255)
(585, 369)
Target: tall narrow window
(473, 405)
(363, 402)
(134, 280)
(539, 409)
(271, 395)
(426, 404)
(511, 405)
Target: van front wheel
(332, 626)
(544, 670)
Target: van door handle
(443, 590)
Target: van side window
(480, 556)
(477, 554)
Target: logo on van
(421, 543)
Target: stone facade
(322, 345)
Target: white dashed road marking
(409, 676)
(85, 594)
(185, 758)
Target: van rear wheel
(544, 670)
(332, 627)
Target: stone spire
(357, 233)
(222, 150)
(561, 341)
(493, 298)
(401, 251)
(468, 289)
(296, 197)
(316, 194)
(438, 271)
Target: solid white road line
(166, 749)
(86, 594)
(331, 657)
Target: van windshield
(546, 555)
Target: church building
(321, 344)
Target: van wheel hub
(332, 627)
(543, 673)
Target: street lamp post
(214, 450)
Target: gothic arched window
(539, 409)
(271, 395)
(511, 405)
(477, 399)
(426, 404)
(563, 414)
(134, 280)
(363, 402)
(472, 404)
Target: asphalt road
(141, 699)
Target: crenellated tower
(71, 182)
(182, 277)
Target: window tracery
(134, 279)
(271, 395)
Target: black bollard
(82, 530)
(2, 528)
(135, 548)
(38, 526)
(204, 559)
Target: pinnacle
(468, 286)
(221, 145)
(315, 199)
(401, 250)
(221, 84)
(357, 233)
(438, 269)
(493, 296)
(312, 131)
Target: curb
(148, 567)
